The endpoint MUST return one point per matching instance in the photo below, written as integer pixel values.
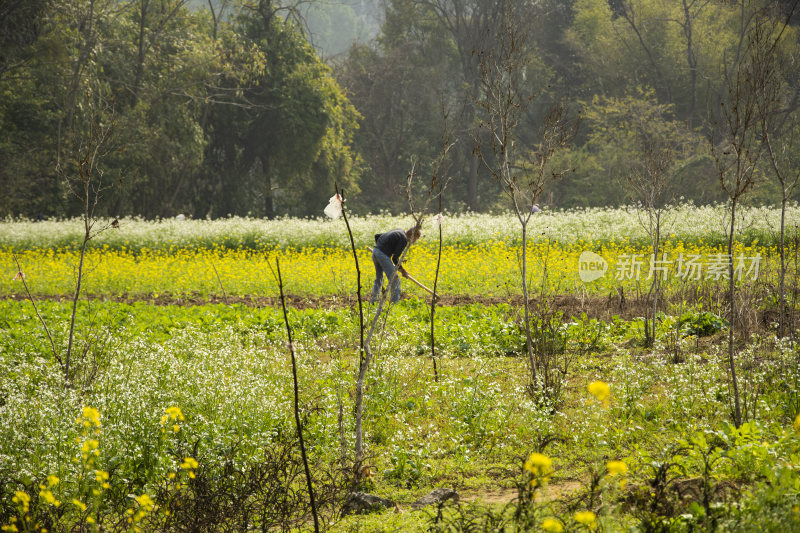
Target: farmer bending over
(388, 248)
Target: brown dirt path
(569, 305)
(594, 306)
(505, 495)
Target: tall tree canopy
(212, 115)
(593, 55)
(222, 107)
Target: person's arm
(400, 244)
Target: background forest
(254, 107)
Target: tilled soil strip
(570, 305)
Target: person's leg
(376, 287)
(383, 263)
(396, 289)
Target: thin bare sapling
(438, 183)
(522, 172)
(736, 146)
(649, 184)
(437, 219)
(91, 139)
(336, 206)
(418, 214)
(296, 405)
(334, 210)
(779, 122)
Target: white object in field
(334, 207)
(180, 217)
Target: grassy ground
(179, 416)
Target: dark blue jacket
(392, 243)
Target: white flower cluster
(686, 222)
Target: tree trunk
(656, 250)
(526, 303)
(86, 236)
(269, 204)
(691, 60)
(140, 52)
(737, 414)
(782, 249)
(472, 184)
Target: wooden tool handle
(418, 283)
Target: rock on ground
(362, 503)
(436, 496)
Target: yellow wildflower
(102, 478)
(89, 446)
(797, 423)
(616, 468)
(587, 518)
(52, 480)
(145, 502)
(600, 390)
(552, 525)
(79, 504)
(48, 497)
(189, 463)
(91, 416)
(174, 412)
(23, 500)
(538, 464)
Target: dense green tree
(423, 78)
(622, 131)
(157, 71)
(288, 127)
(400, 90)
(200, 103)
(21, 24)
(27, 121)
(669, 46)
(27, 126)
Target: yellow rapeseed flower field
(489, 269)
